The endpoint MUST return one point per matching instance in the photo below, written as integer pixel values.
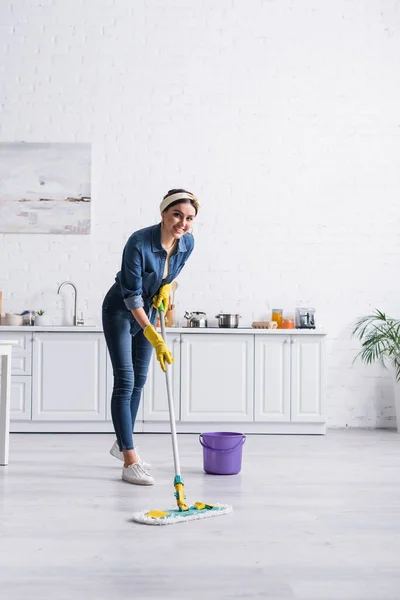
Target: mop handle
(170, 399)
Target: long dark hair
(180, 191)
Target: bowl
(13, 320)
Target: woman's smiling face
(178, 219)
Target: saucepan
(228, 320)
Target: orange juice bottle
(277, 316)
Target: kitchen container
(264, 324)
(288, 324)
(228, 320)
(170, 316)
(196, 319)
(13, 319)
(29, 317)
(222, 452)
(277, 316)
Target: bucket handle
(240, 443)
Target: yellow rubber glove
(162, 296)
(162, 352)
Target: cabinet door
(21, 389)
(155, 400)
(69, 377)
(217, 377)
(21, 358)
(272, 378)
(307, 370)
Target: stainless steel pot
(228, 320)
(196, 319)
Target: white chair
(5, 398)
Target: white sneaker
(115, 451)
(136, 474)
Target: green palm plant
(380, 340)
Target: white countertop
(237, 330)
(28, 328)
(191, 330)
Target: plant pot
(396, 385)
(41, 320)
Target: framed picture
(45, 188)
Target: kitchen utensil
(196, 319)
(305, 318)
(228, 320)
(170, 316)
(174, 286)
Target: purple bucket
(222, 452)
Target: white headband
(178, 196)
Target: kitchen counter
(50, 328)
(244, 330)
(194, 330)
(263, 380)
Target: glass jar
(277, 316)
(288, 324)
(29, 318)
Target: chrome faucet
(76, 297)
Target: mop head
(169, 517)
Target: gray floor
(314, 518)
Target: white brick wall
(283, 116)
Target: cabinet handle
(293, 340)
(285, 341)
(177, 339)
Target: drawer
(21, 363)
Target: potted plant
(40, 318)
(380, 341)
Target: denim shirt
(142, 269)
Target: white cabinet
(69, 382)
(154, 400)
(247, 380)
(21, 370)
(217, 377)
(307, 379)
(289, 373)
(21, 397)
(21, 363)
(272, 378)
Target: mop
(198, 510)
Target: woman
(153, 257)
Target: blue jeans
(130, 357)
